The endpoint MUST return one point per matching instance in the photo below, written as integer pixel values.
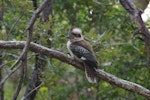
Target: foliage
(107, 27)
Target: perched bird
(80, 49)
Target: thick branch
(130, 86)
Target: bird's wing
(84, 51)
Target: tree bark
(34, 80)
(47, 11)
(130, 86)
(40, 61)
(142, 29)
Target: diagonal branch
(9, 74)
(30, 29)
(21, 78)
(35, 89)
(136, 15)
(130, 86)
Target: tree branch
(30, 30)
(21, 78)
(35, 89)
(9, 74)
(130, 86)
(34, 80)
(136, 15)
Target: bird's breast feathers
(68, 47)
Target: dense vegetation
(106, 26)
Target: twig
(1, 66)
(9, 74)
(22, 73)
(24, 97)
(11, 55)
(101, 4)
(17, 21)
(135, 33)
(130, 86)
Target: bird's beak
(69, 36)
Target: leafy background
(107, 27)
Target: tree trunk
(40, 61)
(34, 80)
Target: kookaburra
(80, 49)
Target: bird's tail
(89, 72)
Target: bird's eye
(76, 35)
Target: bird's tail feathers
(89, 72)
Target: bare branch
(1, 66)
(21, 78)
(30, 29)
(97, 2)
(136, 15)
(130, 86)
(36, 88)
(15, 24)
(8, 75)
(101, 4)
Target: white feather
(77, 30)
(83, 58)
(68, 47)
(89, 78)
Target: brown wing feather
(90, 62)
(87, 46)
(84, 44)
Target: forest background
(105, 24)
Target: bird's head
(75, 34)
